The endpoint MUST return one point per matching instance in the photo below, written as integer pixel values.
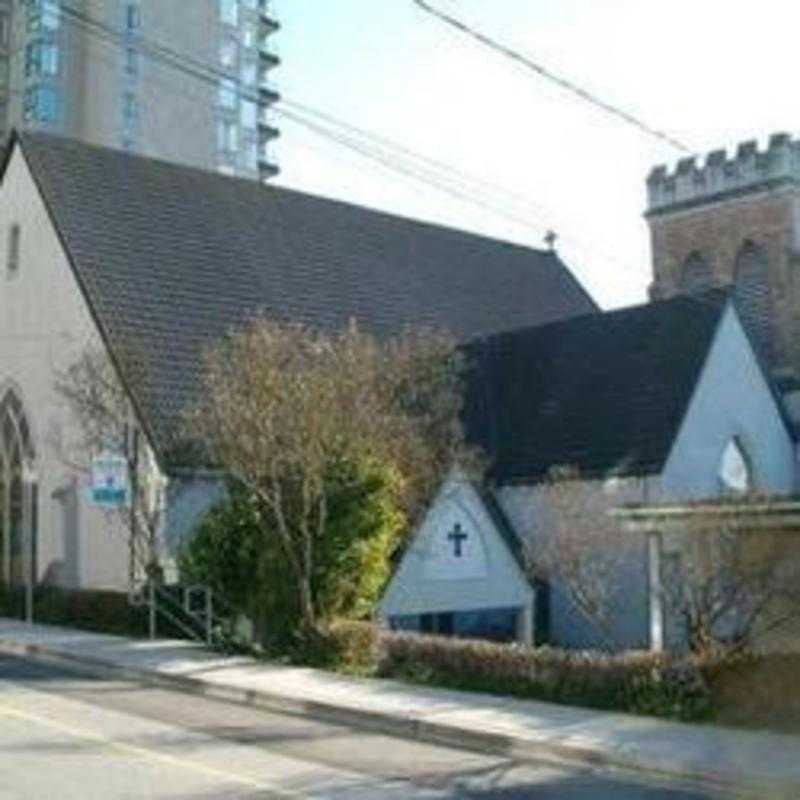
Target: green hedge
(756, 691)
(98, 611)
(637, 682)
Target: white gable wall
(44, 324)
(431, 579)
(732, 398)
(190, 498)
(529, 509)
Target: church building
(662, 403)
(687, 398)
(152, 262)
(690, 398)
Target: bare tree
(577, 550)
(730, 581)
(283, 405)
(105, 422)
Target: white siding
(189, 500)
(430, 579)
(529, 511)
(44, 324)
(732, 398)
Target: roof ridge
(605, 398)
(223, 248)
(280, 189)
(722, 295)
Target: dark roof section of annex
(604, 394)
(171, 257)
(502, 523)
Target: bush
(755, 690)
(634, 682)
(237, 552)
(99, 611)
(90, 610)
(349, 647)
(356, 646)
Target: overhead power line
(477, 191)
(399, 159)
(547, 74)
(211, 75)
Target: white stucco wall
(44, 324)
(731, 399)
(531, 510)
(430, 578)
(189, 499)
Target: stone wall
(715, 210)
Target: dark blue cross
(457, 536)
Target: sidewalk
(763, 765)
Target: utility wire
(444, 167)
(211, 75)
(473, 184)
(551, 76)
(404, 161)
(454, 183)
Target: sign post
(109, 482)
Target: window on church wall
(15, 517)
(696, 274)
(15, 450)
(735, 469)
(752, 293)
(12, 263)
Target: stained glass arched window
(752, 292)
(696, 274)
(16, 449)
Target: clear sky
(710, 73)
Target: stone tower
(735, 221)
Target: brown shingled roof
(171, 257)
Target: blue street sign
(110, 486)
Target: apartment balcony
(267, 16)
(267, 126)
(269, 58)
(267, 89)
(267, 168)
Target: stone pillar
(656, 594)
(525, 623)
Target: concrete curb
(412, 726)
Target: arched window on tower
(16, 450)
(752, 292)
(696, 274)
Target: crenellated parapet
(720, 175)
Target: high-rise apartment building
(185, 80)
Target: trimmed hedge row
(637, 682)
(747, 690)
(97, 611)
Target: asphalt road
(70, 737)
